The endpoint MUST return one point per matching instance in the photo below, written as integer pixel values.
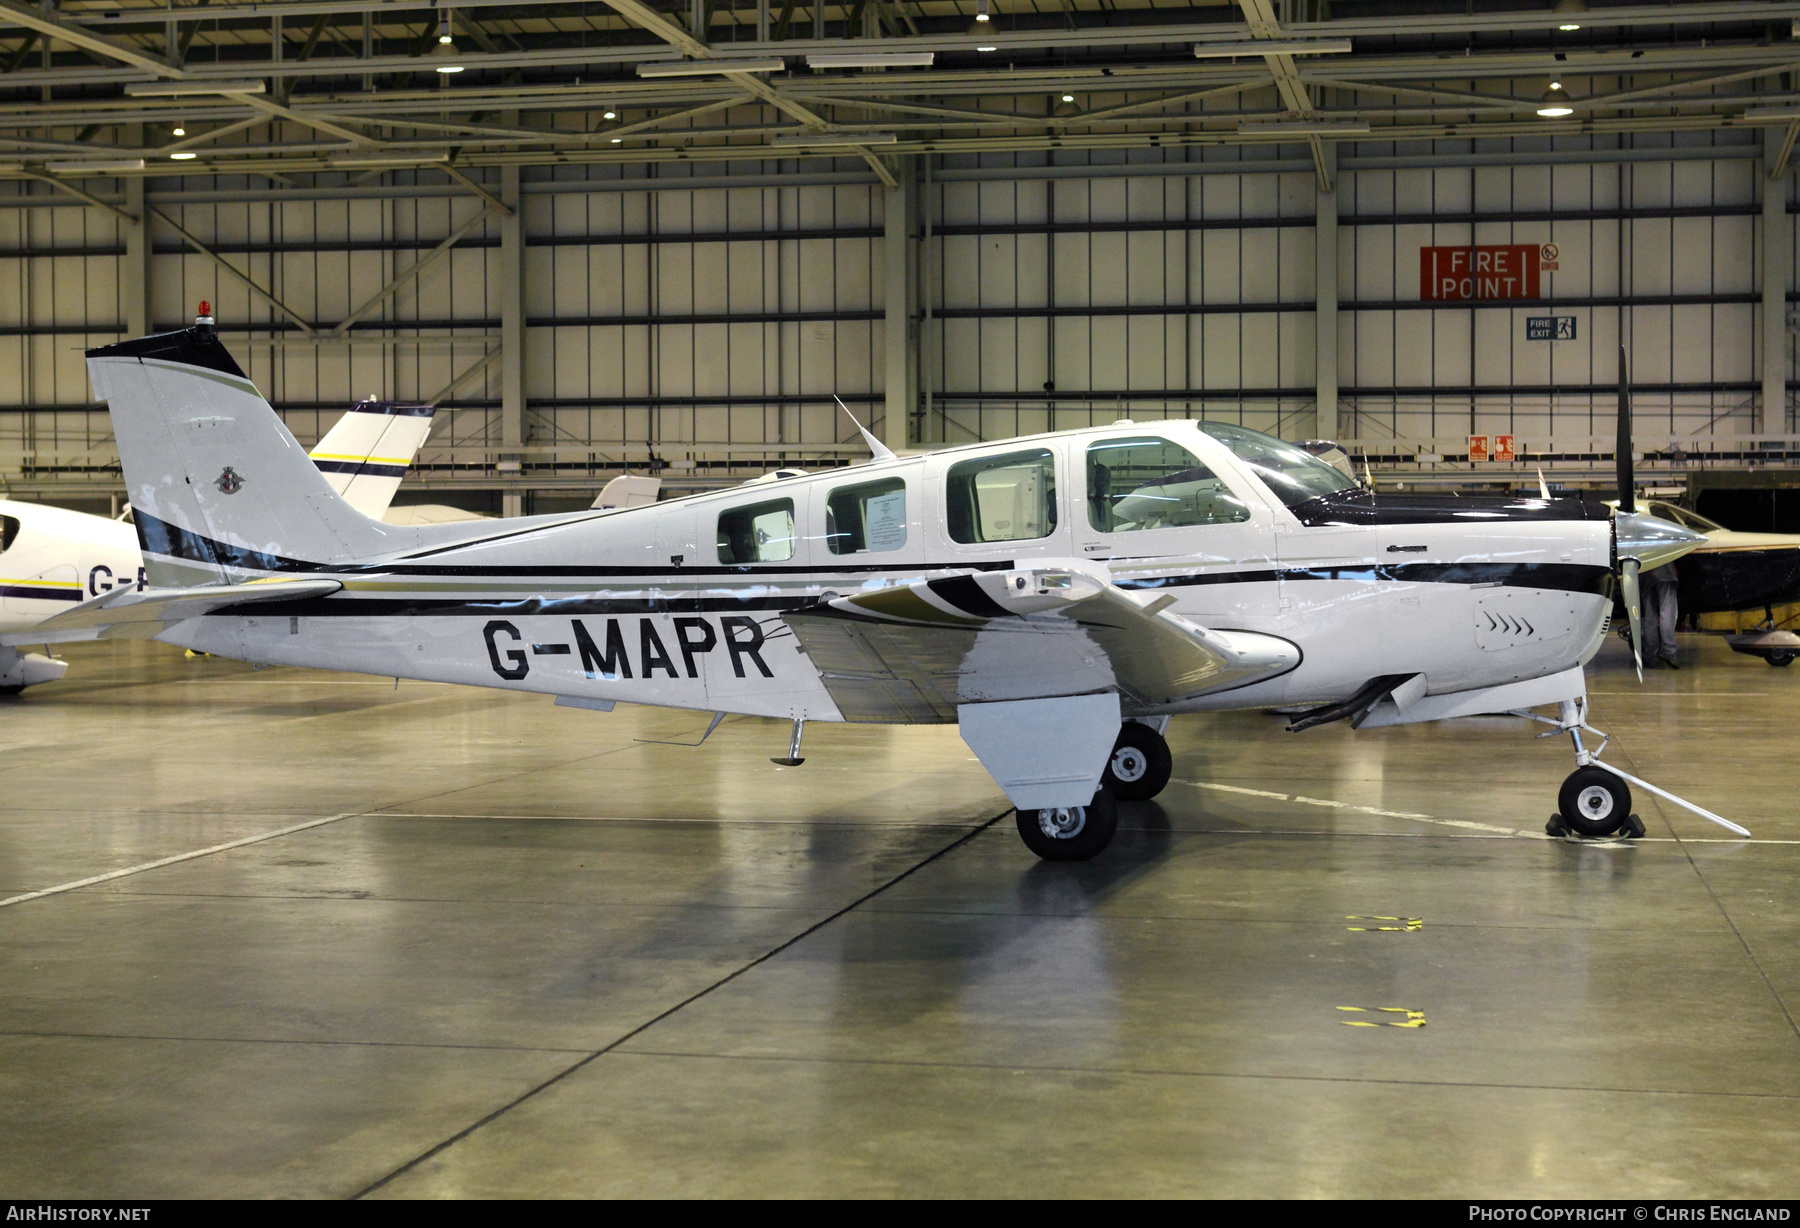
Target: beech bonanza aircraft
(1059, 597)
(51, 557)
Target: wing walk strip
(686, 1002)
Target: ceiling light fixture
(184, 156)
(1065, 107)
(987, 48)
(178, 129)
(1306, 46)
(180, 89)
(703, 68)
(445, 51)
(981, 12)
(1569, 13)
(873, 59)
(1555, 102)
(610, 115)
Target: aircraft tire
(1779, 657)
(1071, 833)
(1140, 764)
(1594, 802)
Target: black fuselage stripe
(32, 592)
(1547, 576)
(1561, 577)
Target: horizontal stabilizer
(915, 652)
(128, 613)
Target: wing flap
(913, 652)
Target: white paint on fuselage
(1349, 629)
(59, 558)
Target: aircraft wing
(913, 652)
(126, 613)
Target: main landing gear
(1071, 833)
(1137, 770)
(1595, 800)
(1140, 764)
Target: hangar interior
(420, 939)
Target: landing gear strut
(1071, 833)
(1140, 764)
(1595, 799)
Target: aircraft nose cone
(1653, 541)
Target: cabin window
(9, 531)
(1294, 474)
(1154, 484)
(1005, 498)
(870, 516)
(758, 533)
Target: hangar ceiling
(345, 89)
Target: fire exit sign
(1549, 328)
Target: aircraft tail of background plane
(218, 485)
(369, 450)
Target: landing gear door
(1165, 520)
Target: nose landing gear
(1595, 800)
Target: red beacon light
(205, 316)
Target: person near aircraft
(1661, 612)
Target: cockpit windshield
(1294, 474)
(1683, 517)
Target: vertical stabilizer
(369, 450)
(219, 488)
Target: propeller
(1628, 567)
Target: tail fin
(218, 486)
(366, 454)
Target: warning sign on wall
(1484, 271)
(1478, 447)
(1503, 448)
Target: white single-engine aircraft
(51, 557)
(1059, 597)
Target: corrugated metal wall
(720, 320)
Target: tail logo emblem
(229, 483)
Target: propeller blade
(1627, 496)
(1628, 592)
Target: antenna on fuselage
(881, 451)
(1543, 486)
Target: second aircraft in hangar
(1058, 597)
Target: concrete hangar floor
(520, 953)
